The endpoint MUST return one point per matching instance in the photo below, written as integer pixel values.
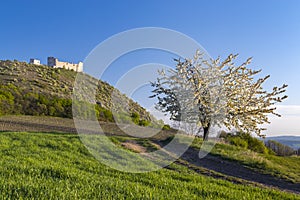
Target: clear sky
(267, 30)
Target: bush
(144, 122)
(135, 118)
(245, 140)
(256, 145)
(237, 141)
(6, 102)
(166, 127)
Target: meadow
(58, 166)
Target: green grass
(283, 167)
(58, 166)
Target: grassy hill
(42, 157)
(40, 90)
(36, 164)
(57, 166)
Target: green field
(58, 166)
(282, 167)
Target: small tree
(211, 92)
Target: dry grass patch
(134, 146)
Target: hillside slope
(51, 166)
(291, 141)
(25, 87)
(226, 161)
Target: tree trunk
(205, 134)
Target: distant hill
(41, 90)
(292, 141)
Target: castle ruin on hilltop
(55, 63)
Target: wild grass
(283, 167)
(58, 166)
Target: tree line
(281, 149)
(14, 101)
(19, 102)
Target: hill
(43, 157)
(40, 90)
(226, 164)
(291, 141)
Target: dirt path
(237, 170)
(36, 124)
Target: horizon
(269, 31)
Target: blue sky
(267, 30)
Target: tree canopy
(212, 92)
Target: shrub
(237, 141)
(166, 127)
(108, 115)
(245, 140)
(135, 118)
(6, 102)
(254, 144)
(144, 122)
